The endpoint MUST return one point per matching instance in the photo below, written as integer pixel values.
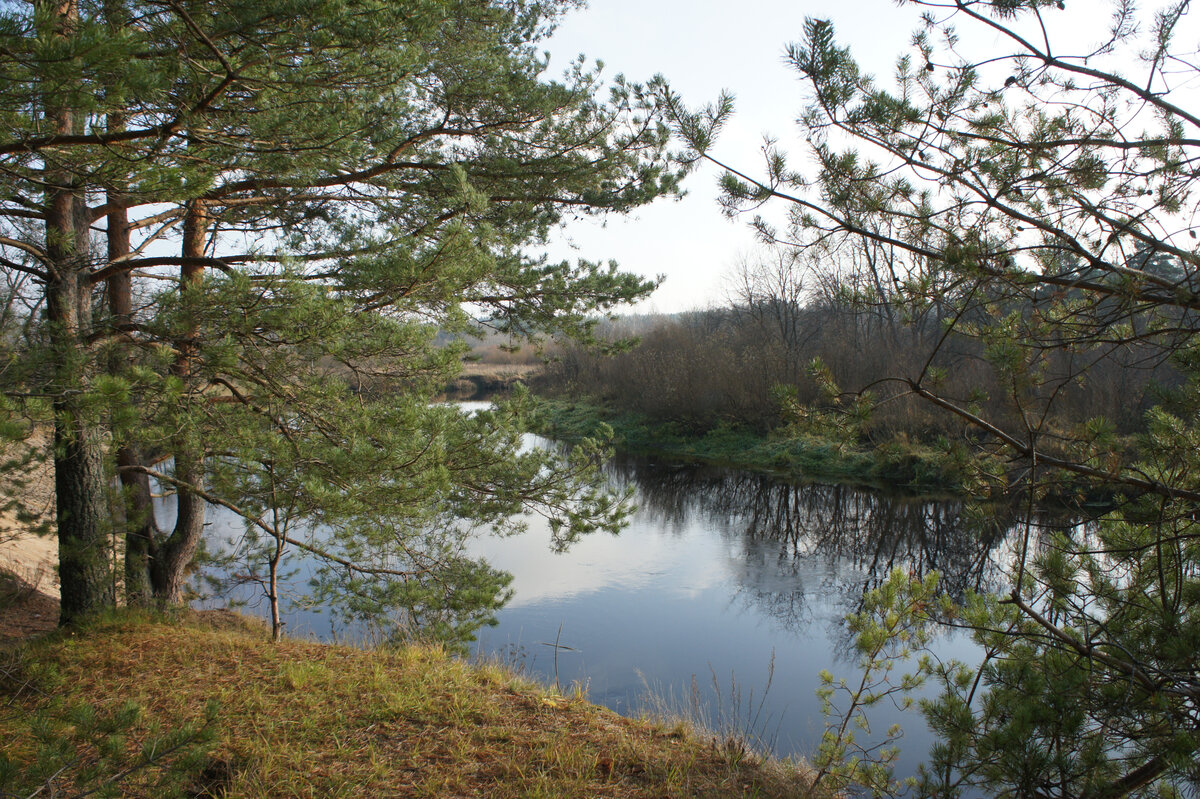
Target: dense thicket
(746, 363)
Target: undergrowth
(896, 465)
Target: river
(724, 597)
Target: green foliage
(308, 205)
(80, 750)
(1029, 190)
(892, 624)
(1030, 717)
(814, 455)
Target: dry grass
(306, 719)
(514, 371)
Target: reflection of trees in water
(794, 540)
(875, 534)
(777, 588)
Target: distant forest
(793, 328)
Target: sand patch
(29, 588)
(34, 559)
(23, 552)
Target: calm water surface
(719, 575)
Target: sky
(702, 47)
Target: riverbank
(894, 466)
(301, 718)
(308, 719)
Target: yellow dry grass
(308, 719)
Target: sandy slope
(29, 604)
(31, 557)
(34, 559)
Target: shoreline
(897, 468)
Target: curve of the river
(724, 598)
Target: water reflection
(721, 571)
(787, 533)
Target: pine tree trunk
(171, 560)
(138, 504)
(139, 528)
(84, 571)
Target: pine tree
(1043, 198)
(296, 196)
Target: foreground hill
(238, 716)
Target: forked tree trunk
(170, 562)
(169, 566)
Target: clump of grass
(307, 719)
(736, 720)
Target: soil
(24, 611)
(28, 561)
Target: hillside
(308, 719)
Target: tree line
(794, 324)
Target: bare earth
(28, 564)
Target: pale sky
(702, 47)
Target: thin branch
(258, 522)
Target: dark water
(719, 576)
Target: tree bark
(169, 565)
(84, 570)
(140, 528)
(85, 573)
(137, 501)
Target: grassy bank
(895, 466)
(307, 719)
